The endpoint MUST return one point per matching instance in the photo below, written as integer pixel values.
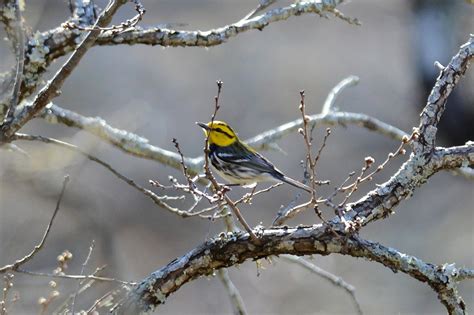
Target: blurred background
(159, 93)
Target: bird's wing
(244, 156)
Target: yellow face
(219, 133)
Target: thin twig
(260, 8)
(97, 302)
(369, 161)
(17, 264)
(74, 277)
(86, 261)
(334, 93)
(236, 298)
(8, 284)
(156, 199)
(335, 280)
(310, 163)
(130, 23)
(220, 190)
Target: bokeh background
(160, 92)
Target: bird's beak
(203, 126)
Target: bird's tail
(295, 183)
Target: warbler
(238, 163)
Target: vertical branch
(20, 56)
(222, 190)
(235, 297)
(86, 261)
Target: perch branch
(225, 252)
(136, 145)
(319, 239)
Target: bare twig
(236, 298)
(334, 93)
(73, 277)
(106, 297)
(260, 8)
(335, 280)
(86, 261)
(7, 285)
(20, 262)
(160, 201)
(369, 161)
(220, 190)
(130, 23)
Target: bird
(238, 163)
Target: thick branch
(228, 251)
(44, 48)
(167, 37)
(447, 80)
(421, 165)
(225, 252)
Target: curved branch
(167, 37)
(44, 48)
(330, 119)
(235, 249)
(136, 145)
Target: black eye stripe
(223, 132)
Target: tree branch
(20, 56)
(228, 251)
(319, 239)
(213, 37)
(53, 87)
(136, 145)
(44, 48)
(237, 301)
(445, 83)
(160, 201)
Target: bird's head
(219, 133)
